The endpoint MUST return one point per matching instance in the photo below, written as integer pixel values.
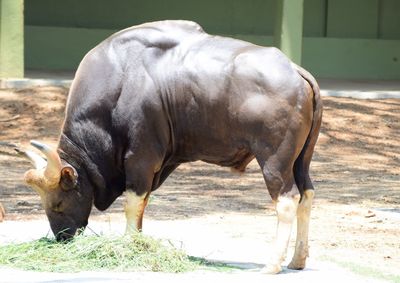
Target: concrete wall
(11, 38)
(342, 38)
(352, 38)
(65, 30)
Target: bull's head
(60, 187)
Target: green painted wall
(352, 19)
(352, 58)
(378, 19)
(358, 39)
(389, 15)
(62, 48)
(59, 33)
(216, 16)
(314, 18)
(59, 48)
(289, 28)
(11, 38)
(342, 38)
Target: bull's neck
(106, 188)
(72, 153)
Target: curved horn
(38, 161)
(53, 168)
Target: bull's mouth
(68, 234)
(65, 235)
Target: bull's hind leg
(303, 221)
(285, 195)
(286, 207)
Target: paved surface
(38, 78)
(321, 273)
(246, 250)
(361, 89)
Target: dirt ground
(356, 173)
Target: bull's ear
(69, 178)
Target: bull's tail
(302, 163)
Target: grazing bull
(154, 96)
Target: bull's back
(225, 94)
(219, 94)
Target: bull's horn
(38, 161)
(53, 168)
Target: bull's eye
(58, 207)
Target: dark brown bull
(160, 94)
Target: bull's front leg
(142, 164)
(286, 208)
(134, 210)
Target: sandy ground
(356, 172)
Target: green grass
(87, 253)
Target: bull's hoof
(271, 269)
(297, 264)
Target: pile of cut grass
(88, 253)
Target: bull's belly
(236, 158)
(237, 161)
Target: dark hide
(160, 94)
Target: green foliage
(84, 253)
